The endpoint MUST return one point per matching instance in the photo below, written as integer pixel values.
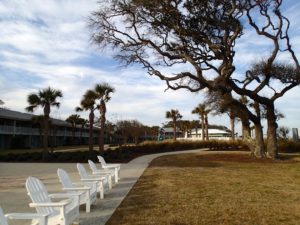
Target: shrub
(126, 153)
(288, 146)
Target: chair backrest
(82, 172)
(3, 220)
(101, 160)
(38, 194)
(92, 165)
(64, 178)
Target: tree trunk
(206, 127)
(46, 131)
(272, 148)
(202, 127)
(259, 151)
(73, 133)
(91, 136)
(259, 136)
(232, 126)
(101, 136)
(246, 132)
(102, 111)
(174, 134)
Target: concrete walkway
(13, 196)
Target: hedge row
(124, 153)
(127, 153)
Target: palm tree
(73, 119)
(88, 103)
(174, 115)
(102, 90)
(45, 98)
(202, 111)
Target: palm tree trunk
(46, 131)
(206, 127)
(202, 127)
(73, 133)
(45, 137)
(102, 110)
(101, 136)
(174, 134)
(91, 135)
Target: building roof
(15, 115)
(10, 114)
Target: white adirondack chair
(114, 166)
(87, 194)
(37, 219)
(96, 171)
(101, 181)
(64, 212)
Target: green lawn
(214, 189)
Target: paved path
(13, 196)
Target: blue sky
(47, 43)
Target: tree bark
(232, 125)
(174, 134)
(101, 136)
(259, 151)
(73, 133)
(206, 127)
(102, 111)
(46, 131)
(259, 136)
(245, 128)
(272, 147)
(91, 136)
(202, 127)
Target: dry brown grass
(213, 189)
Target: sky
(47, 43)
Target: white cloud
(46, 43)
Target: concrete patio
(13, 196)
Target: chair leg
(109, 182)
(88, 203)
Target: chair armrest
(94, 179)
(113, 164)
(102, 172)
(29, 216)
(50, 204)
(63, 195)
(111, 167)
(95, 176)
(77, 189)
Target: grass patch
(227, 188)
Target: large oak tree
(199, 37)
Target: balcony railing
(11, 130)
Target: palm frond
(30, 108)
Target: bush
(288, 146)
(126, 153)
